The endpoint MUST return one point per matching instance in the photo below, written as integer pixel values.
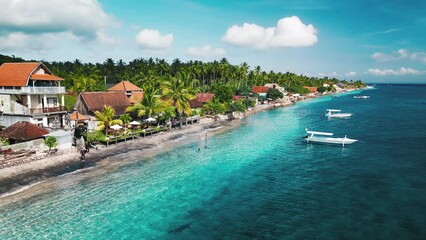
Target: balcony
(32, 90)
(47, 110)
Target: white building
(30, 92)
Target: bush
(213, 108)
(249, 103)
(50, 142)
(298, 89)
(94, 136)
(236, 107)
(223, 93)
(274, 94)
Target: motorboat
(325, 137)
(336, 113)
(362, 96)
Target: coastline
(14, 180)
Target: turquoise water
(257, 181)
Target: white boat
(369, 87)
(361, 96)
(336, 113)
(325, 137)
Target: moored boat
(325, 137)
(364, 96)
(336, 113)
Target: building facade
(30, 92)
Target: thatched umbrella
(23, 131)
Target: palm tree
(150, 105)
(177, 95)
(106, 118)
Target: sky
(374, 41)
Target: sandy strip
(16, 177)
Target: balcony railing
(34, 90)
(47, 110)
(43, 89)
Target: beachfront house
(260, 90)
(133, 92)
(30, 92)
(90, 102)
(313, 91)
(200, 100)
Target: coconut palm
(177, 95)
(150, 105)
(106, 118)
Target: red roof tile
(312, 89)
(18, 74)
(125, 86)
(204, 97)
(45, 77)
(260, 89)
(95, 101)
(76, 116)
(201, 99)
(23, 131)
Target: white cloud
(152, 39)
(331, 74)
(399, 55)
(206, 51)
(29, 43)
(289, 32)
(81, 17)
(43, 25)
(350, 74)
(400, 71)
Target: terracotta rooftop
(260, 89)
(45, 77)
(312, 89)
(18, 74)
(200, 99)
(95, 101)
(76, 116)
(135, 97)
(125, 86)
(23, 131)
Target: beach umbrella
(116, 127)
(135, 123)
(150, 119)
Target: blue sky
(375, 41)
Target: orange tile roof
(18, 74)
(201, 99)
(125, 86)
(260, 89)
(45, 77)
(76, 116)
(95, 101)
(312, 89)
(135, 97)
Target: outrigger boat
(335, 113)
(361, 96)
(325, 137)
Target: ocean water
(257, 181)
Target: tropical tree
(150, 105)
(177, 95)
(106, 118)
(274, 94)
(51, 142)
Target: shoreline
(16, 179)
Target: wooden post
(199, 142)
(206, 140)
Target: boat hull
(333, 141)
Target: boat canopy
(334, 110)
(319, 133)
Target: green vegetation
(51, 142)
(168, 87)
(274, 94)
